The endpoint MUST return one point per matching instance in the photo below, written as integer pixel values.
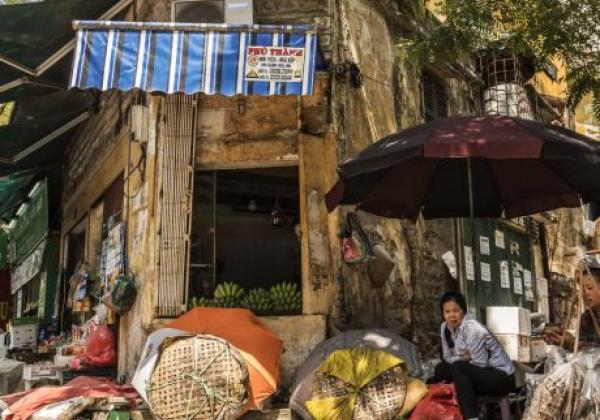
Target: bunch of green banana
(228, 295)
(200, 301)
(286, 297)
(258, 300)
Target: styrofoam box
(538, 349)
(508, 320)
(24, 335)
(518, 347)
(33, 372)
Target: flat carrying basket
(199, 377)
(381, 399)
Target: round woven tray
(381, 399)
(200, 377)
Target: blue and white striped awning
(194, 58)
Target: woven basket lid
(198, 377)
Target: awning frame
(64, 50)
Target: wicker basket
(200, 377)
(381, 399)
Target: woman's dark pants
(471, 381)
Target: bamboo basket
(382, 398)
(199, 377)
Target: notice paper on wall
(469, 264)
(500, 239)
(484, 245)
(529, 295)
(518, 284)
(504, 275)
(527, 279)
(486, 273)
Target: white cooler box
(508, 320)
(518, 347)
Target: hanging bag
(356, 247)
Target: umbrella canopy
(379, 339)
(259, 346)
(471, 166)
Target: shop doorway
(246, 230)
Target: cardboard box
(508, 320)
(42, 371)
(518, 347)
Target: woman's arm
(473, 336)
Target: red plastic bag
(100, 349)
(439, 404)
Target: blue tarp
(194, 58)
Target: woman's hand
(465, 356)
(554, 336)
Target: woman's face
(453, 314)
(591, 292)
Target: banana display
(258, 300)
(228, 295)
(286, 297)
(281, 297)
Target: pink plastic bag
(439, 404)
(100, 349)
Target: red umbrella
(471, 166)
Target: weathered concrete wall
(389, 100)
(99, 154)
(300, 335)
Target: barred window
(434, 97)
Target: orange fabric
(260, 347)
(25, 404)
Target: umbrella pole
(474, 246)
(470, 182)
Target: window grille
(434, 96)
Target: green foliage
(536, 29)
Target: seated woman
(473, 359)
(589, 328)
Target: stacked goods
(200, 377)
(228, 295)
(258, 300)
(286, 297)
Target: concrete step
(273, 414)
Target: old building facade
(158, 163)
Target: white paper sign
(504, 275)
(274, 64)
(469, 264)
(486, 273)
(500, 239)
(529, 295)
(527, 279)
(484, 245)
(450, 262)
(518, 284)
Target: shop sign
(274, 64)
(30, 225)
(28, 268)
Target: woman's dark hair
(459, 299)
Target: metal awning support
(48, 138)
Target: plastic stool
(505, 404)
